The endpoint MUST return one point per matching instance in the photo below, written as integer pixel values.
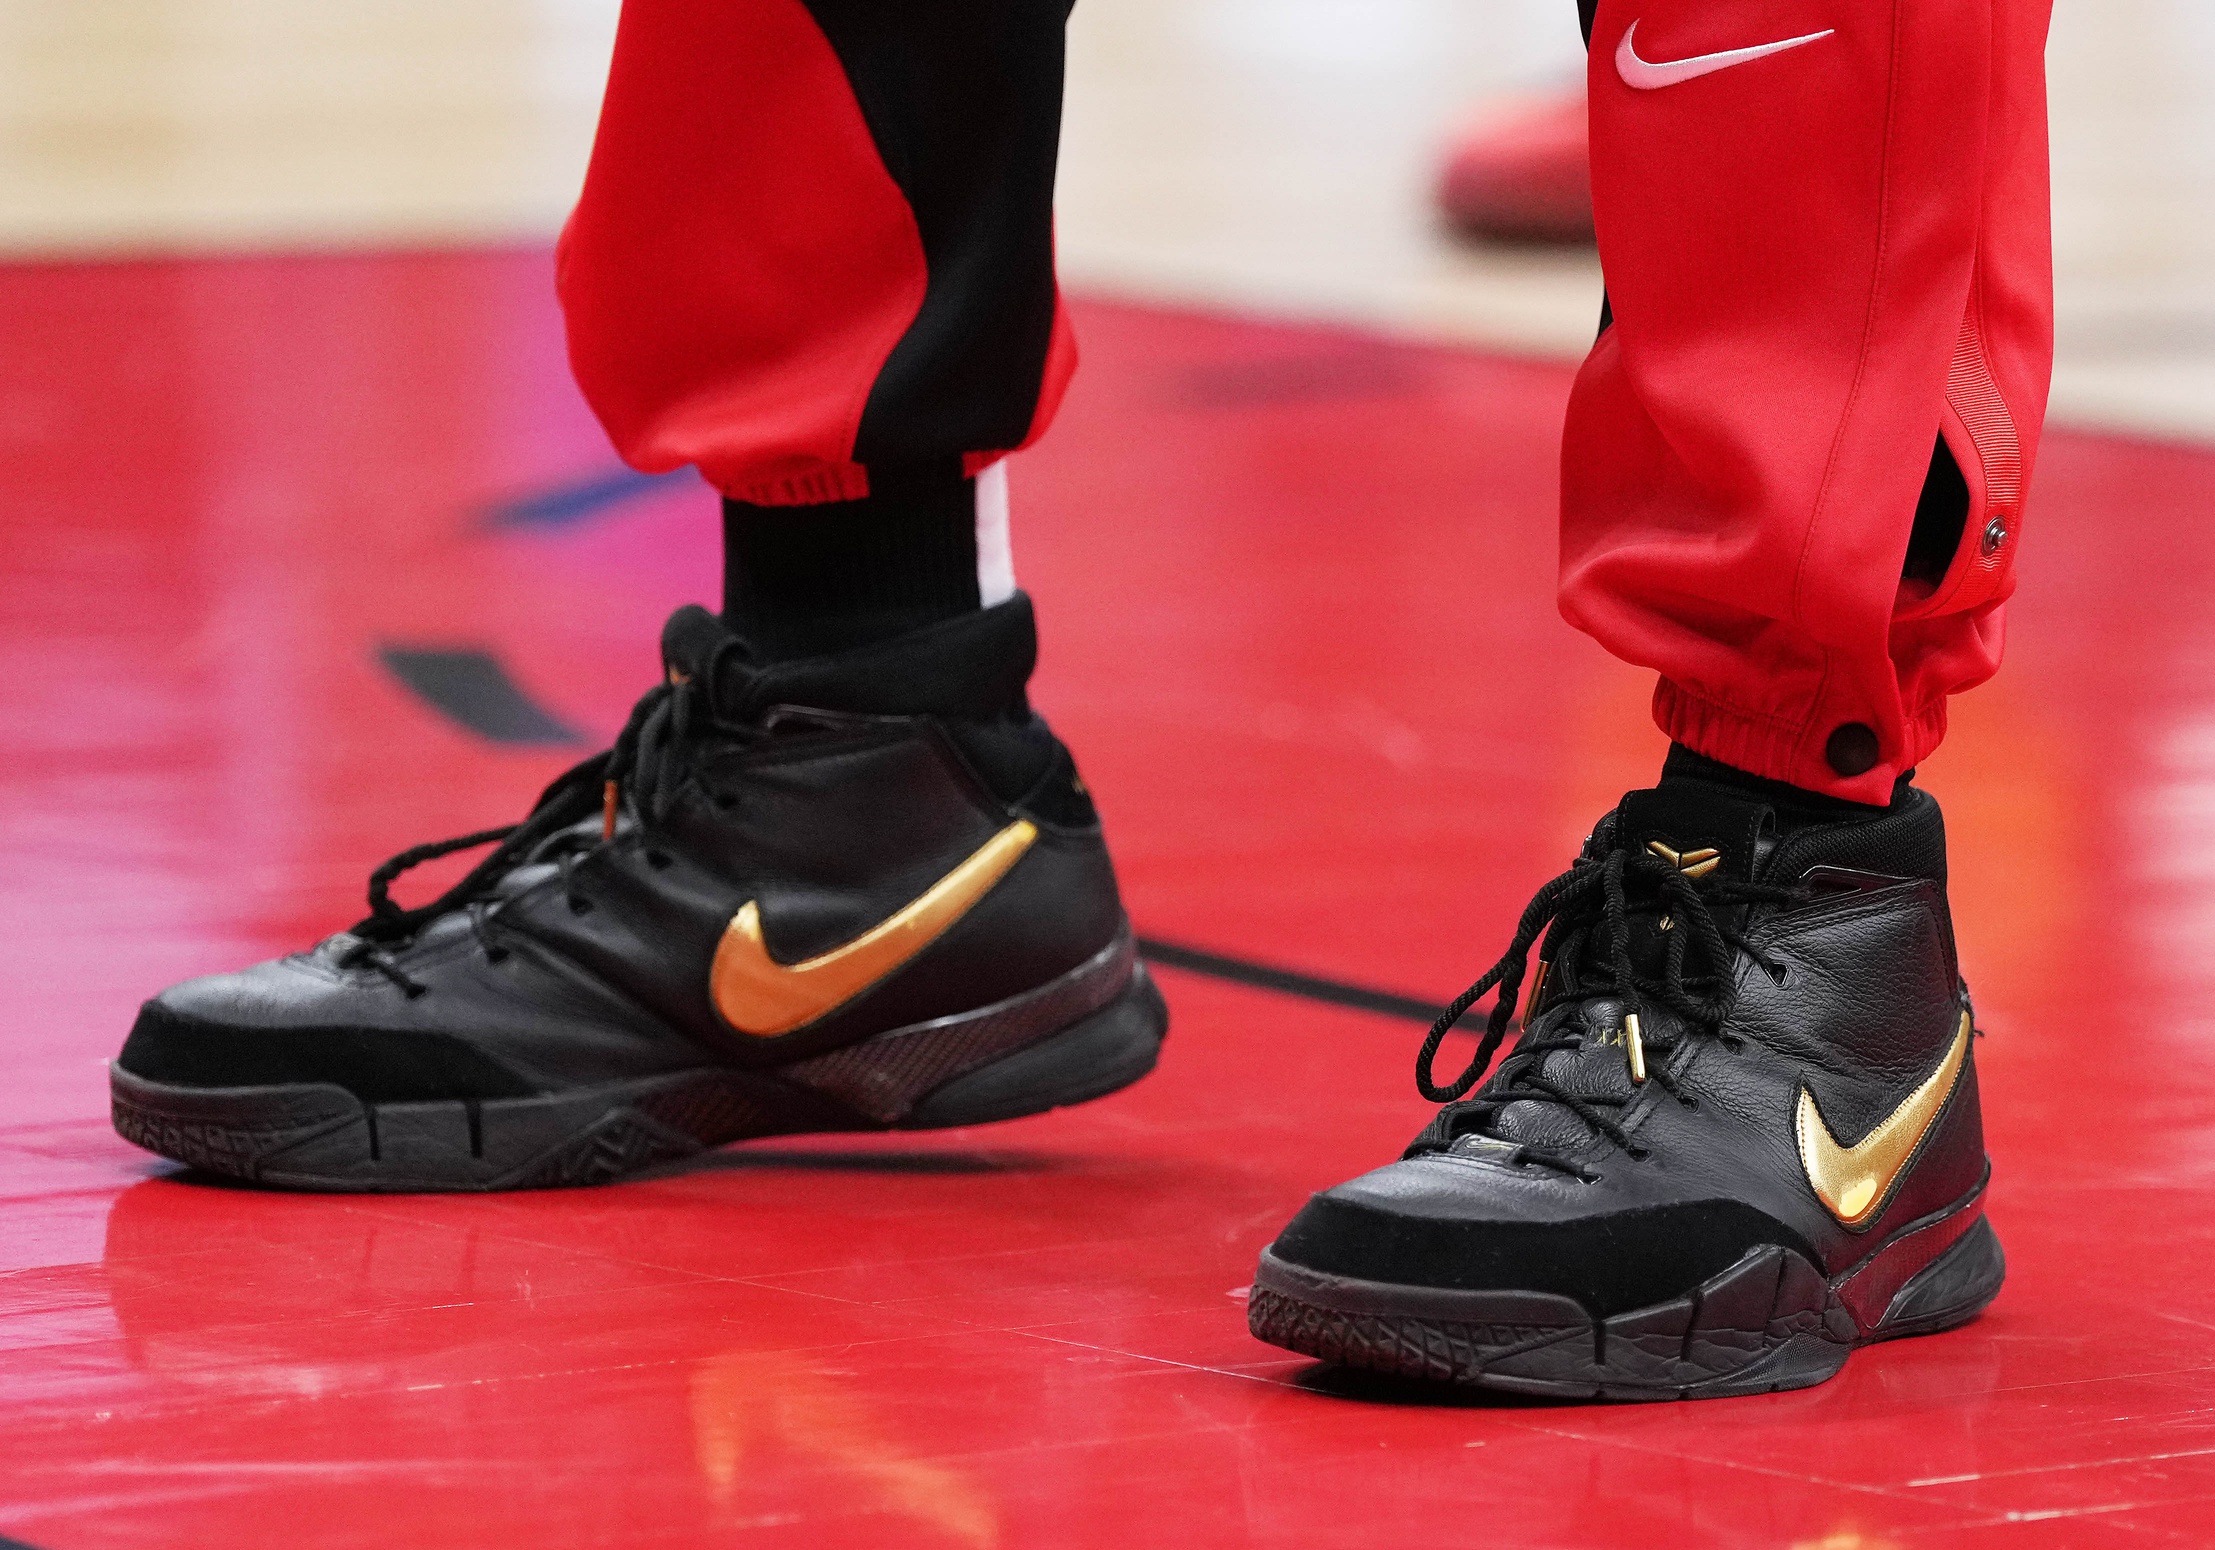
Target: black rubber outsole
(1769, 1322)
(318, 1137)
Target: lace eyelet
(723, 801)
(658, 860)
(497, 954)
(579, 905)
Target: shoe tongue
(691, 641)
(1708, 830)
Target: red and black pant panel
(963, 99)
(817, 235)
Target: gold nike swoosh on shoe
(759, 996)
(1852, 1181)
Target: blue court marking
(580, 498)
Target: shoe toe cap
(1439, 1224)
(280, 1024)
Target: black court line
(1289, 982)
(473, 690)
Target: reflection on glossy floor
(1295, 591)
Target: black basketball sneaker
(1737, 1137)
(860, 892)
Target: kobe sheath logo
(1692, 863)
(758, 995)
(1649, 75)
(1854, 1180)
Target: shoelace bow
(1595, 895)
(641, 759)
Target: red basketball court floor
(306, 560)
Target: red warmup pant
(816, 237)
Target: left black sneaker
(1738, 1137)
(858, 892)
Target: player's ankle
(1795, 806)
(807, 581)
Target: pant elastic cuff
(816, 486)
(1755, 744)
(1924, 732)
(1794, 752)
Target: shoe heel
(1952, 1289)
(1110, 1049)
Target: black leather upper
(588, 961)
(1867, 1008)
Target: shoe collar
(972, 666)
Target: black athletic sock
(1795, 806)
(806, 581)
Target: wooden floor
(1269, 155)
(1295, 585)
(1295, 593)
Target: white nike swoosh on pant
(1646, 76)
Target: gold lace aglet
(607, 810)
(1538, 989)
(1635, 1045)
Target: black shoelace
(1585, 915)
(645, 764)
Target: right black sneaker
(1738, 1138)
(862, 892)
